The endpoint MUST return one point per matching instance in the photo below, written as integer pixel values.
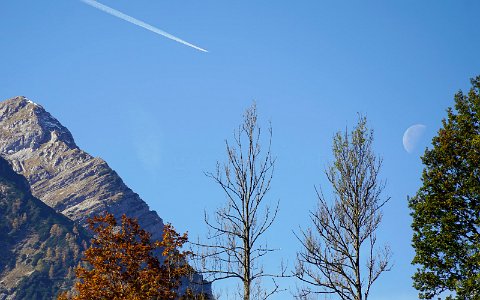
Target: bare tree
(338, 252)
(233, 248)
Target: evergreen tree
(446, 208)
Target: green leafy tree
(446, 208)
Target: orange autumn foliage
(123, 265)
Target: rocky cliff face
(60, 174)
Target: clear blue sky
(158, 112)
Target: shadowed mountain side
(62, 175)
(39, 247)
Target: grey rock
(63, 176)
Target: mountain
(63, 176)
(39, 247)
(66, 178)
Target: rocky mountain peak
(63, 176)
(28, 126)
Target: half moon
(412, 136)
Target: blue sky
(158, 112)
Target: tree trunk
(246, 273)
(247, 267)
(358, 281)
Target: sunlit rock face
(60, 174)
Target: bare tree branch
(232, 247)
(333, 250)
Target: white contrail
(132, 20)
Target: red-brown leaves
(122, 262)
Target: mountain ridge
(61, 174)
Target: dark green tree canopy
(446, 208)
